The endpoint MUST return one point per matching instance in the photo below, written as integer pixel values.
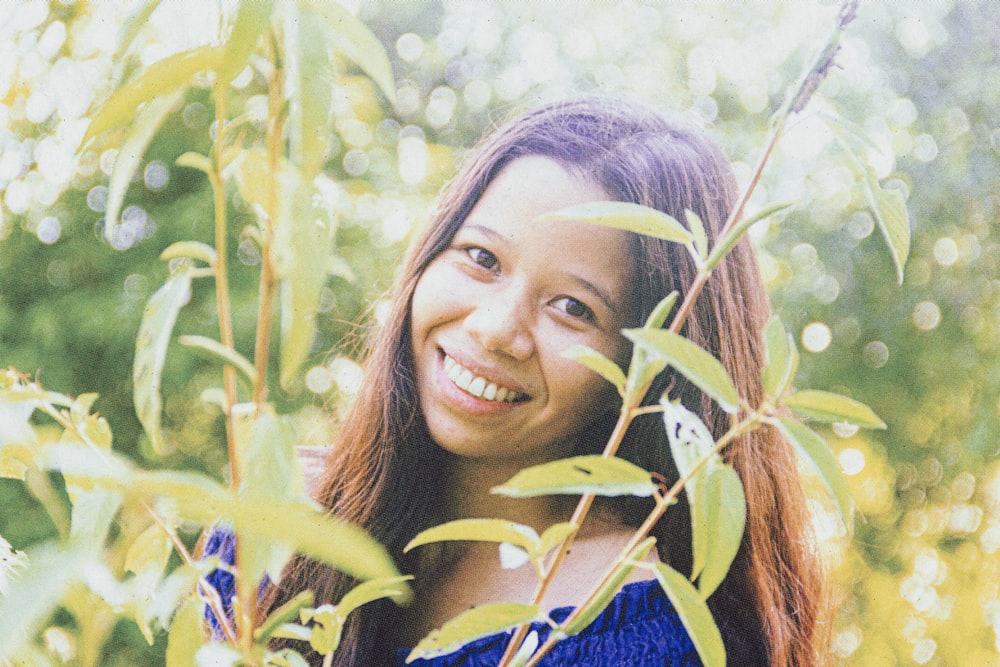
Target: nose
(500, 321)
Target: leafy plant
(124, 526)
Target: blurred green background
(918, 582)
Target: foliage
(913, 77)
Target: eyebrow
(595, 290)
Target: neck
(469, 496)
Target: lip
(466, 401)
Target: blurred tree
(917, 584)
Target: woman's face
(493, 313)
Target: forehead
(532, 186)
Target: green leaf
(474, 624)
(480, 530)
(813, 449)
(140, 132)
(132, 25)
(602, 598)
(591, 474)
(149, 552)
(327, 628)
(91, 517)
(163, 77)
(192, 249)
(698, 235)
(286, 657)
(252, 19)
(598, 363)
(726, 517)
(888, 206)
(704, 370)
(353, 38)
(35, 592)
(303, 243)
(194, 161)
(186, 635)
(727, 243)
(155, 330)
(394, 588)
(692, 447)
(694, 614)
(282, 615)
(782, 358)
(269, 472)
(626, 216)
(893, 220)
(222, 353)
(645, 366)
(555, 535)
(309, 116)
(825, 406)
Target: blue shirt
(639, 628)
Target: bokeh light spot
(816, 337)
(875, 354)
(852, 461)
(48, 230)
(926, 315)
(946, 251)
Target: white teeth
(478, 386)
(490, 392)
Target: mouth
(478, 386)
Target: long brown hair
(385, 473)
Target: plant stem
(662, 503)
(267, 274)
(793, 104)
(221, 272)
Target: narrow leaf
(269, 472)
(626, 216)
(310, 109)
(303, 245)
(644, 365)
(782, 358)
(598, 363)
(590, 474)
(186, 635)
(140, 132)
(726, 519)
(474, 624)
(283, 614)
(893, 219)
(194, 161)
(34, 594)
(602, 598)
(704, 370)
(812, 448)
(694, 614)
(251, 21)
(352, 37)
(192, 249)
(555, 535)
(480, 530)
(155, 330)
(149, 552)
(224, 354)
(725, 245)
(327, 628)
(698, 235)
(161, 78)
(692, 447)
(825, 406)
(394, 588)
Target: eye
(574, 308)
(483, 258)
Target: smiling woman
(467, 383)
